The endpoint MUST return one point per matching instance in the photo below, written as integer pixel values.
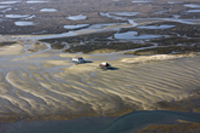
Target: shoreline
(138, 121)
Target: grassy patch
(6, 43)
(166, 50)
(113, 46)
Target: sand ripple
(82, 88)
(47, 83)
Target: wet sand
(39, 83)
(43, 84)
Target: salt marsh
(153, 47)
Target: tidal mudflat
(153, 47)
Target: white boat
(104, 65)
(78, 60)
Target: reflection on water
(36, 2)
(25, 23)
(16, 16)
(48, 10)
(194, 11)
(175, 2)
(137, 120)
(192, 5)
(126, 14)
(152, 27)
(141, 1)
(139, 21)
(1, 7)
(132, 35)
(78, 17)
(10, 2)
(72, 27)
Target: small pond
(77, 26)
(36, 2)
(133, 35)
(78, 17)
(16, 16)
(48, 10)
(25, 23)
(192, 5)
(153, 27)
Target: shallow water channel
(126, 124)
